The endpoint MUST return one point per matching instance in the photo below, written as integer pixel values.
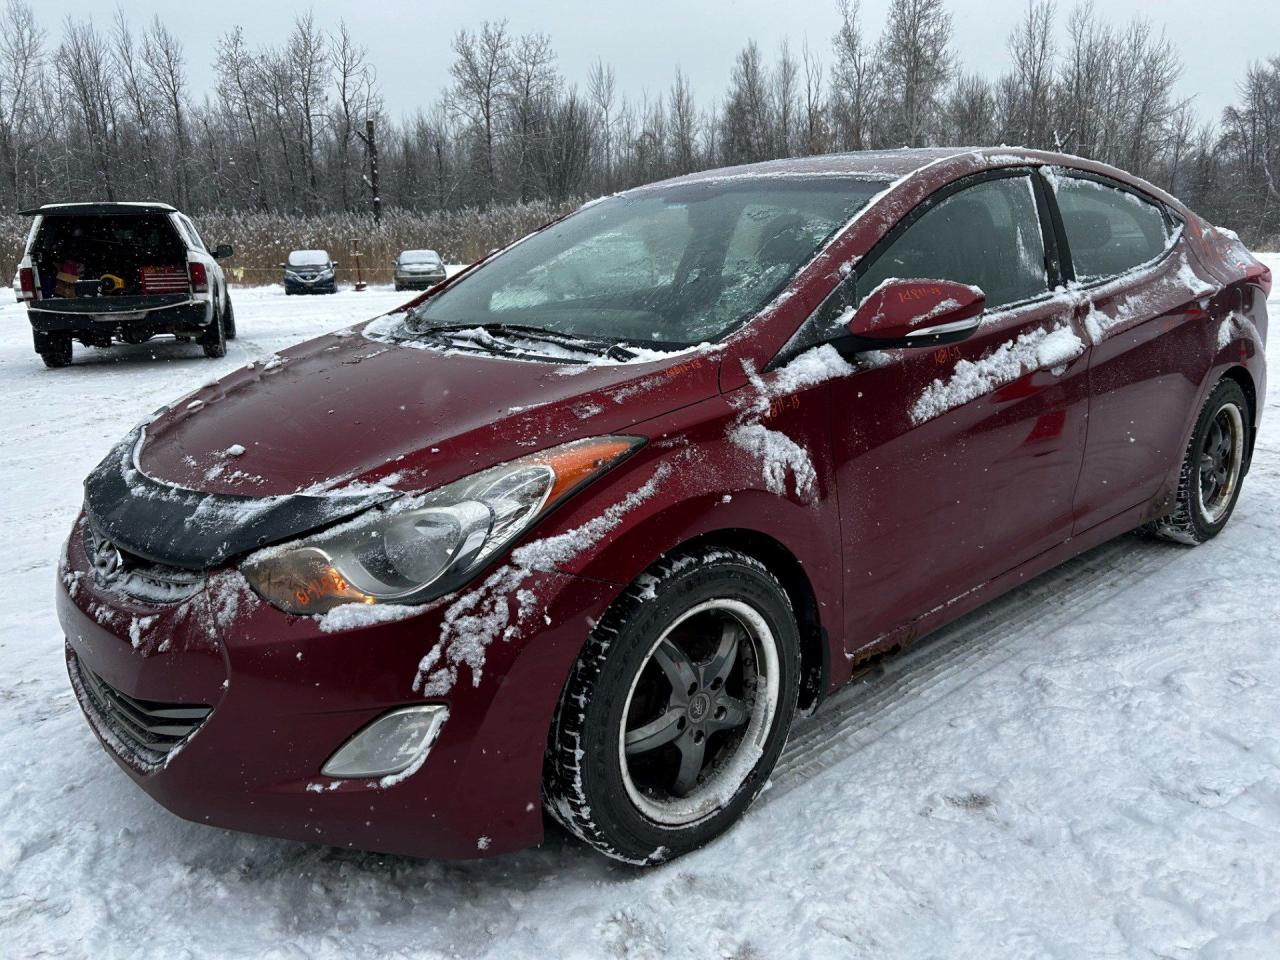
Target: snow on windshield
(308, 258)
(419, 256)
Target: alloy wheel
(699, 711)
(1221, 459)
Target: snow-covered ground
(1089, 768)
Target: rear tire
(57, 350)
(677, 708)
(214, 340)
(1212, 470)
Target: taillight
(27, 281)
(1259, 275)
(199, 279)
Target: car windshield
(419, 256)
(671, 265)
(309, 258)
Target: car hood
(333, 424)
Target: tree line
(108, 112)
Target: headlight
(421, 547)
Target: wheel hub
(699, 707)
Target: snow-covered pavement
(1088, 768)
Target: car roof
(95, 208)
(869, 164)
(911, 174)
(423, 252)
(929, 167)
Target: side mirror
(333, 263)
(913, 313)
(223, 251)
(282, 266)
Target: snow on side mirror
(914, 313)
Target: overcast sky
(645, 41)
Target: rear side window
(987, 235)
(193, 235)
(1109, 230)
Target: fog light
(393, 743)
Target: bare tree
(816, 134)
(746, 124)
(855, 77)
(603, 90)
(354, 96)
(84, 62)
(915, 59)
(165, 73)
(132, 86)
(241, 78)
(563, 155)
(786, 106)
(309, 70)
(21, 70)
(684, 124)
(1028, 116)
(479, 71)
(528, 82)
(971, 112)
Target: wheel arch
(815, 650)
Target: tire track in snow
(906, 685)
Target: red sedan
(582, 529)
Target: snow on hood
(342, 409)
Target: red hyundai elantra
(581, 530)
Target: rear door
(955, 465)
(1143, 301)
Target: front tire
(677, 708)
(1212, 470)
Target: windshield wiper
(593, 346)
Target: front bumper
(318, 285)
(284, 695)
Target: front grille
(150, 582)
(146, 729)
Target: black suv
(310, 271)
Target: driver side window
(987, 235)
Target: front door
(954, 465)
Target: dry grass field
(262, 240)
